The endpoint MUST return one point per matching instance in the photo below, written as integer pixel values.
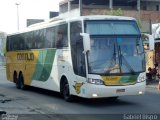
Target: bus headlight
(95, 81)
(141, 79)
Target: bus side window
(28, 40)
(62, 36)
(29, 45)
(21, 46)
(50, 37)
(39, 45)
(8, 44)
(65, 36)
(59, 39)
(14, 46)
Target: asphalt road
(43, 104)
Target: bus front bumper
(102, 91)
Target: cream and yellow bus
(86, 56)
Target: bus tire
(66, 91)
(16, 81)
(21, 82)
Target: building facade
(147, 11)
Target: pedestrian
(158, 87)
(149, 74)
(154, 71)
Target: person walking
(154, 71)
(158, 87)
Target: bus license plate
(120, 90)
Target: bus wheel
(15, 79)
(21, 82)
(66, 92)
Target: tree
(139, 23)
(117, 12)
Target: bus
(87, 56)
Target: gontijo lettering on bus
(25, 56)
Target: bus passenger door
(78, 57)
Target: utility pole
(80, 7)
(17, 4)
(110, 4)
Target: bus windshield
(115, 52)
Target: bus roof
(104, 17)
(58, 20)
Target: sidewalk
(153, 84)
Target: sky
(28, 9)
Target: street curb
(154, 86)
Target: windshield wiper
(125, 61)
(114, 55)
(113, 61)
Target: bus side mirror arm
(86, 42)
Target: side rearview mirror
(86, 42)
(151, 42)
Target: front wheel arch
(62, 80)
(65, 89)
(21, 81)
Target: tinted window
(112, 27)
(15, 42)
(8, 44)
(78, 58)
(43, 38)
(28, 40)
(62, 37)
(50, 37)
